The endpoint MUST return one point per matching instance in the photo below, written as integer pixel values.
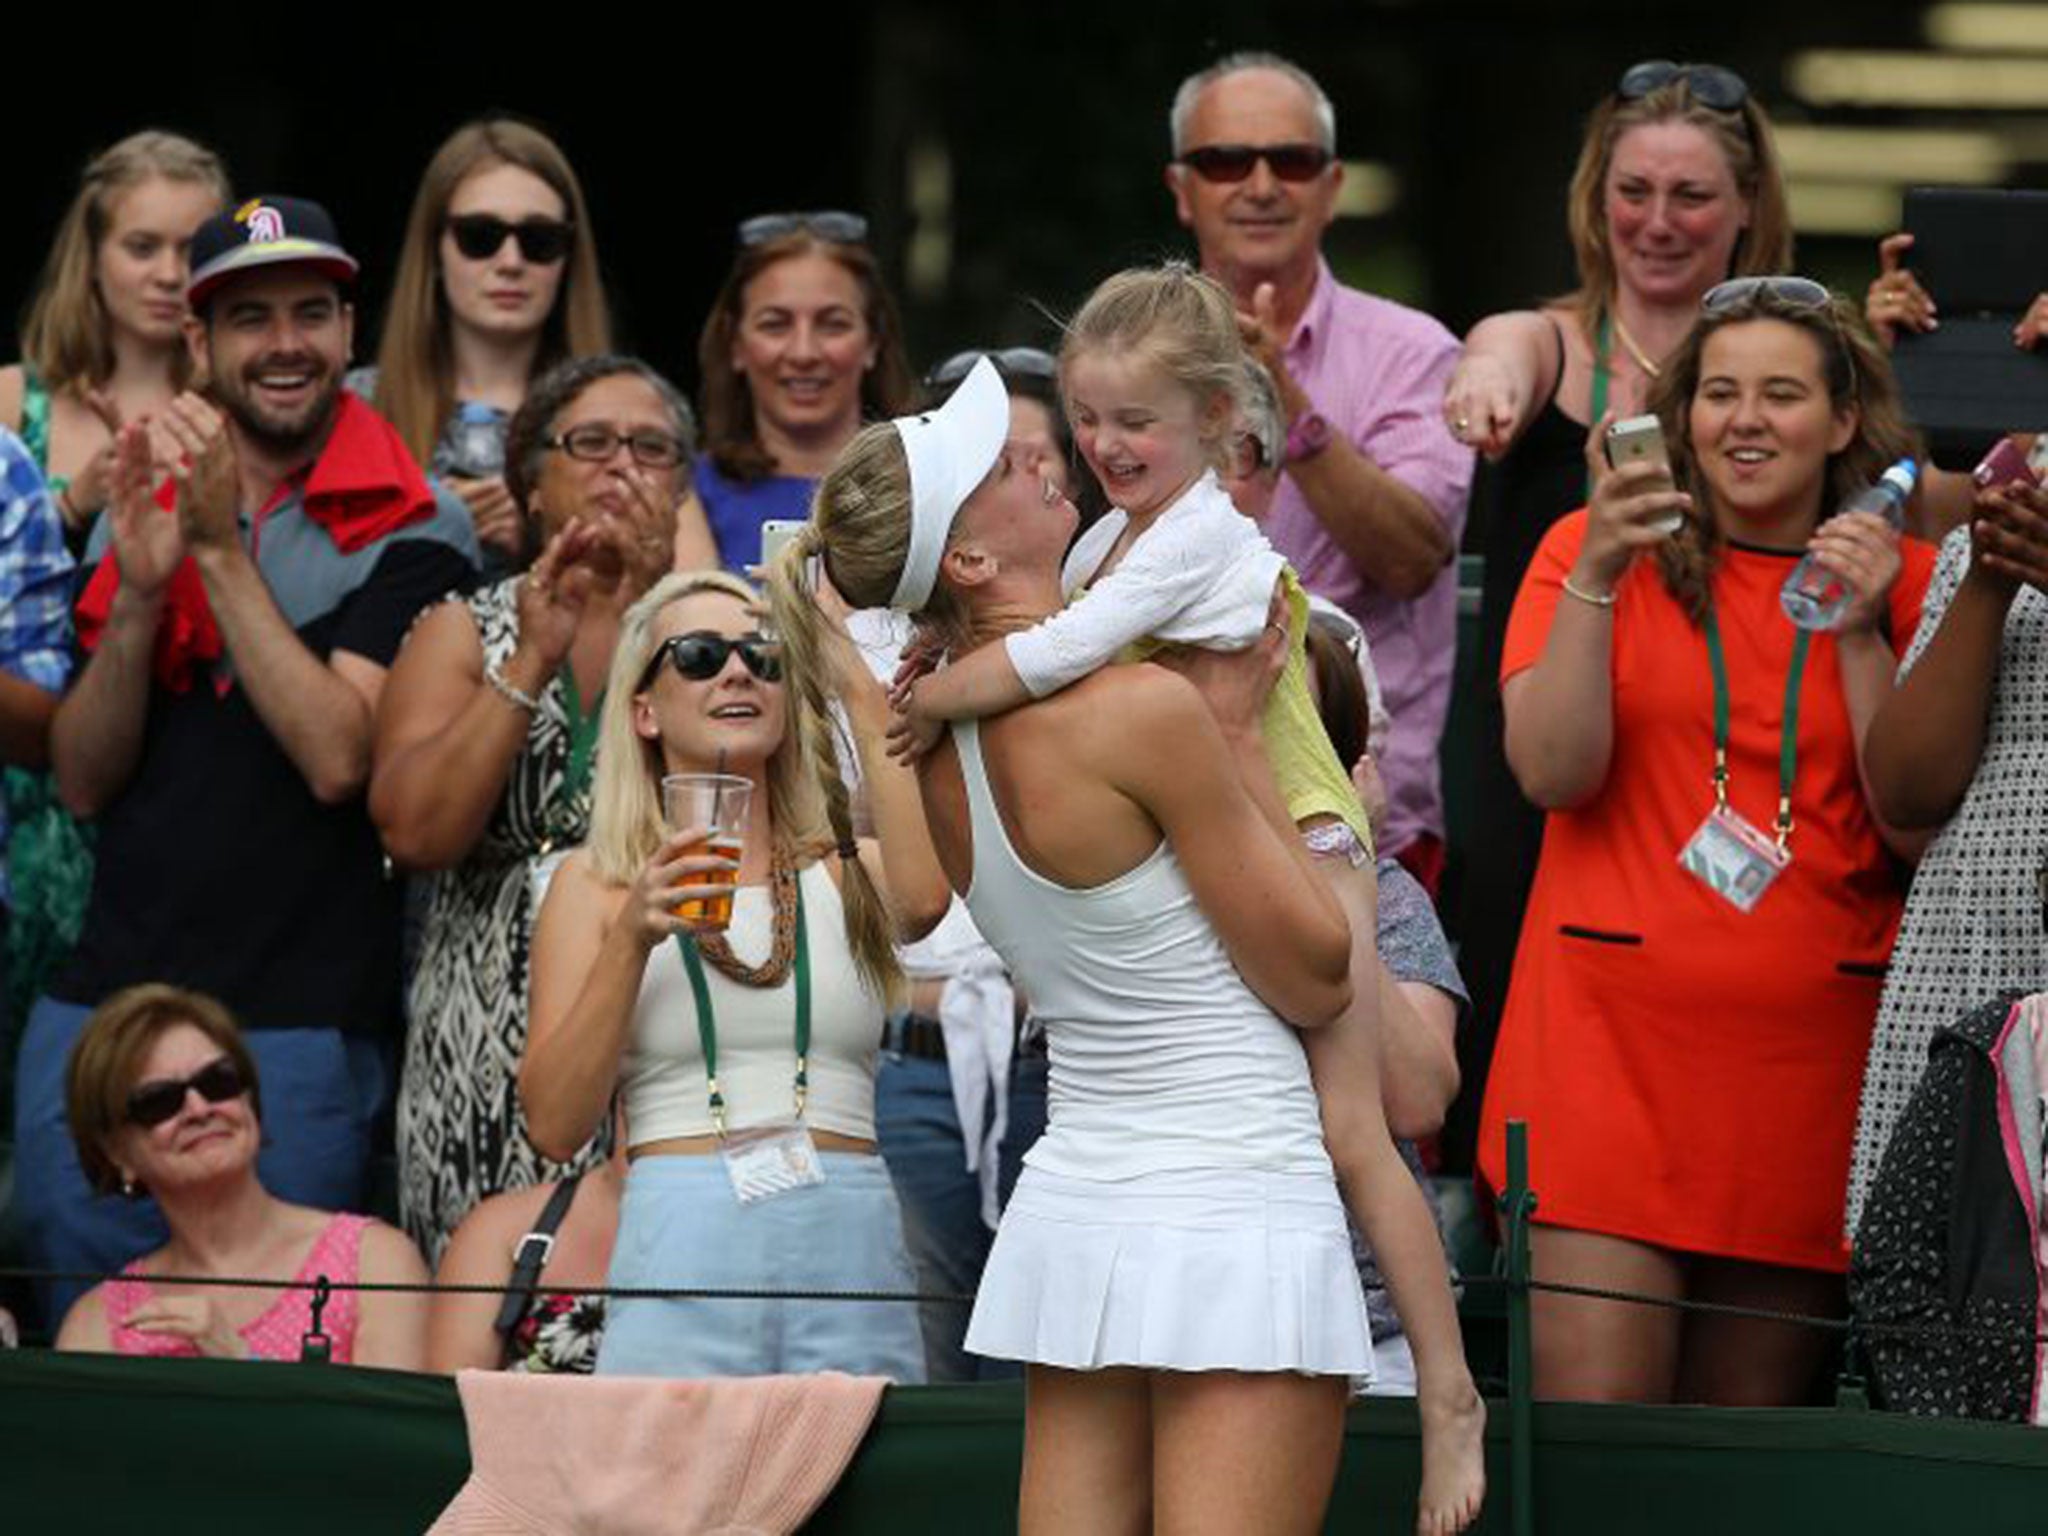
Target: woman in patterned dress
(485, 742)
(1962, 744)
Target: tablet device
(1983, 254)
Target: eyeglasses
(1710, 84)
(594, 442)
(1011, 362)
(1234, 162)
(155, 1102)
(700, 656)
(480, 236)
(833, 224)
(1799, 292)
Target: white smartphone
(775, 533)
(1640, 440)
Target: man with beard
(266, 547)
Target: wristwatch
(1308, 436)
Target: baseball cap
(263, 232)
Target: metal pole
(1519, 1207)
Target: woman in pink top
(162, 1099)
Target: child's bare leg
(1383, 1199)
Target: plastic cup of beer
(717, 801)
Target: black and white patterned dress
(1974, 923)
(461, 1133)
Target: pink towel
(642, 1456)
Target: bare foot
(1453, 1462)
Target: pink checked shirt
(1376, 371)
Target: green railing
(92, 1443)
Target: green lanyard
(1788, 745)
(574, 799)
(707, 1022)
(1606, 340)
(582, 735)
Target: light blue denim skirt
(681, 1226)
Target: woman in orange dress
(1687, 1053)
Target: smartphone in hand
(1640, 440)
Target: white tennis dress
(1180, 1212)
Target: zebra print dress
(461, 1134)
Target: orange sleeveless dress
(1689, 1072)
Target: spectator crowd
(352, 717)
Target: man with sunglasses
(1372, 500)
(265, 551)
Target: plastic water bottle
(1814, 597)
(477, 441)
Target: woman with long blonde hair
(745, 1052)
(102, 343)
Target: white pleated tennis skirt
(1218, 1270)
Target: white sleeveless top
(662, 1075)
(1162, 1058)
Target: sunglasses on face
(594, 443)
(833, 224)
(700, 656)
(1011, 362)
(480, 236)
(155, 1102)
(1710, 84)
(1234, 162)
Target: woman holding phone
(802, 344)
(1716, 898)
(483, 764)
(1677, 186)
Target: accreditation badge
(771, 1160)
(1734, 859)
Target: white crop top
(663, 1071)
(1162, 1058)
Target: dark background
(1053, 120)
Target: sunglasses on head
(480, 236)
(155, 1102)
(1234, 162)
(1710, 84)
(1011, 362)
(700, 656)
(1798, 292)
(834, 224)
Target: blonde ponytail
(806, 663)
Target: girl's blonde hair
(808, 805)
(415, 358)
(65, 335)
(1744, 139)
(1183, 322)
(1859, 377)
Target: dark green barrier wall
(92, 1444)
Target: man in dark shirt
(237, 623)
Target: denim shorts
(681, 1226)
